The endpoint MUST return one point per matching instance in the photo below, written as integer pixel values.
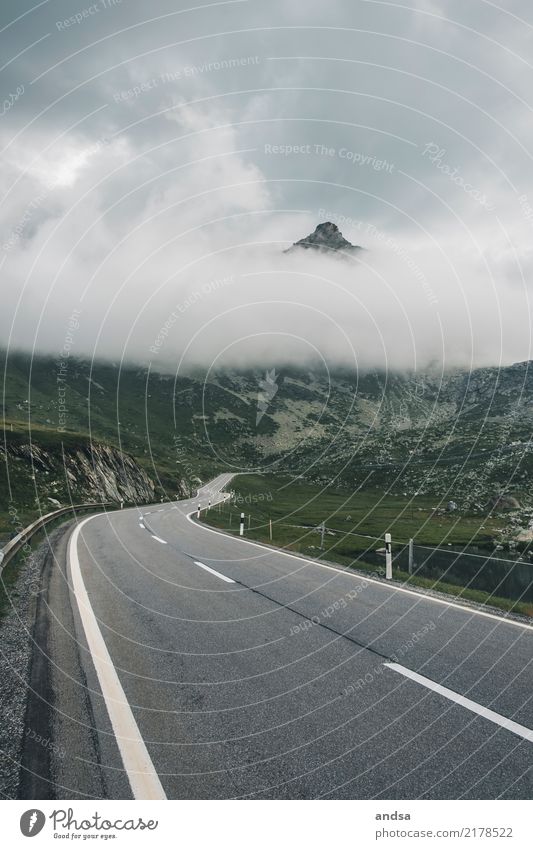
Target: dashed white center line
(213, 572)
(162, 541)
(492, 716)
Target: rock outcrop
(326, 238)
(78, 472)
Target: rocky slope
(51, 475)
(465, 436)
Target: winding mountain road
(176, 661)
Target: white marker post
(270, 524)
(198, 513)
(388, 557)
(209, 504)
(241, 528)
(411, 557)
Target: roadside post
(411, 557)
(198, 512)
(241, 528)
(322, 532)
(388, 557)
(270, 528)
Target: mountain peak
(326, 237)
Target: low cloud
(178, 292)
(155, 202)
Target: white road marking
(142, 526)
(503, 721)
(162, 541)
(143, 778)
(420, 595)
(213, 572)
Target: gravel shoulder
(17, 628)
(46, 723)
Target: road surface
(175, 661)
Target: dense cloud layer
(155, 166)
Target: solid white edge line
(213, 572)
(420, 595)
(159, 539)
(143, 778)
(486, 713)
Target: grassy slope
(293, 504)
(123, 408)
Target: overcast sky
(158, 157)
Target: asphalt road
(177, 661)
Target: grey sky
(148, 150)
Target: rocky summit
(326, 238)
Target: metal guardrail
(18, 541)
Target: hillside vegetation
(464, 437)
